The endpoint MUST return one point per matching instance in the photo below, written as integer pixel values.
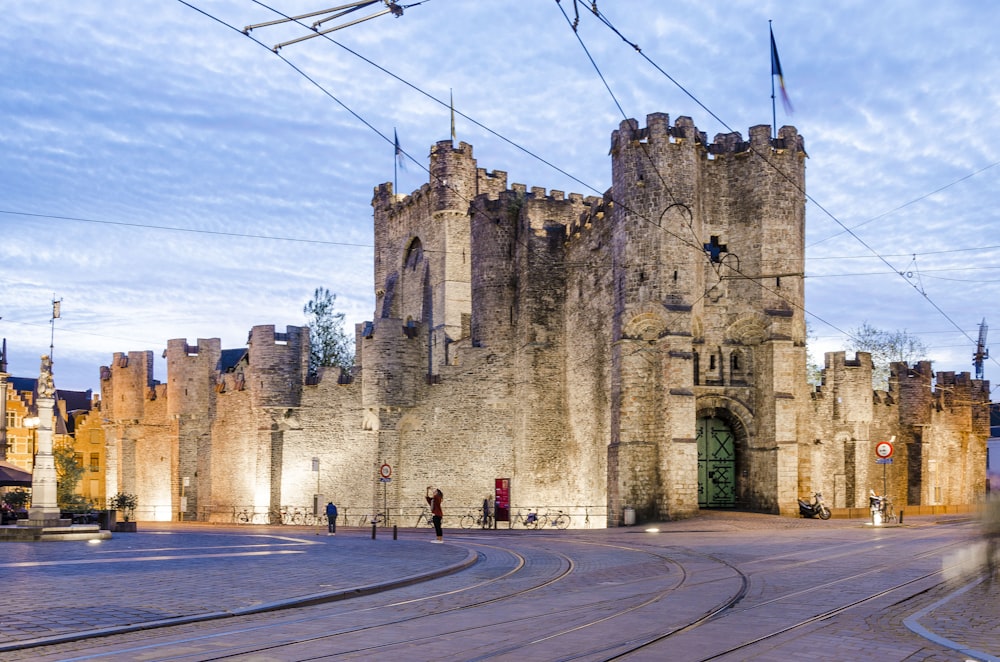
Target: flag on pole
(452, 115)
(400, 161)
(776, 71)
(56, 305)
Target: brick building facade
(643, 350)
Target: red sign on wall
(501, 499)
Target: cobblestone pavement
(188, 573)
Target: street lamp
(32, 422)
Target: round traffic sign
(883, 449)
(385, 471)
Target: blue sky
(167, 176)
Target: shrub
(125, 503)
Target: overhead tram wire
(907, 204)
(440, 102)
(596, 12)
(366, 123)
(384, 137)
(388, 141)
(523, 149)
(144, 226)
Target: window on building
(12, 421)
(95, 462)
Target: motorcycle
(815, 509)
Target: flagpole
(774, 107)
(56, 313)
(395, 161)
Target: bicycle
(292, 516)
(474, 519)
(242, 516)
(425, 516)
(532, 521)
(378, 519)
(315, 520)
(881, 507)
(560, 521)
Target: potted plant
(15, 506)
(125, 504)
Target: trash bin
(628, 518)
(106, 519)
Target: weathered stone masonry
(644, 349)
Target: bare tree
(885, 347)
(329, 343)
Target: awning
(13, 476)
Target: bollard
(373, 530)
(394, 532)
(900, 516)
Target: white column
(44, 504)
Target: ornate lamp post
(31, 422)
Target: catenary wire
(819, 206)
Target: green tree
(68, 473)
(329, 343)
(885, 347)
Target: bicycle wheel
(468, 521)
(243, 517)
(561, 522)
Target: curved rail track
(571, 597)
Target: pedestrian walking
(487, 512)
(331, 519)
(434, 498)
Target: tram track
(555, 601)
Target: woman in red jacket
(434, 501)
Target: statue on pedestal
(46, 385)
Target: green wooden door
(716, 464)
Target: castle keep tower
(708, 356)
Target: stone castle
(644, 350)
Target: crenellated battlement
(658, 132)
(127, 384)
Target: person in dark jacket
(331, 519)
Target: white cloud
(154, 114)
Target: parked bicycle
(292, 515)
(530, 521)
(425, 518)
(881, 508)
(315, 520)
(559, 521)
(477, 519)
